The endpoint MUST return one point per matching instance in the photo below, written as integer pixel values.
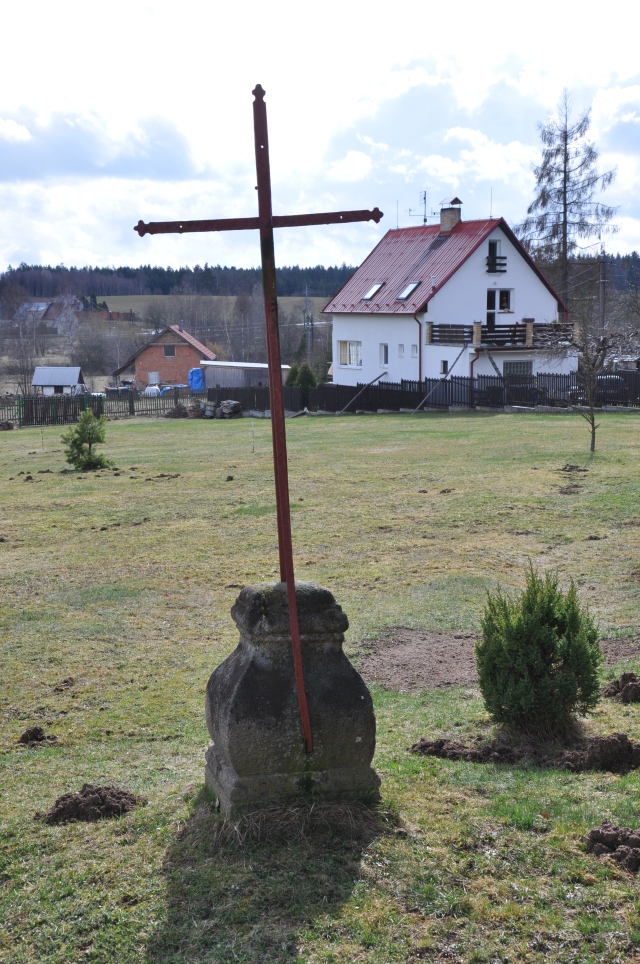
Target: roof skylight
(406, 292)
(373, 290)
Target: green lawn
(125, 582)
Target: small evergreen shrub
(306, 380)
(539, 656)
(292, 375)
(79, 441)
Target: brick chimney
(450, 214)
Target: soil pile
(611, 754)
(93, 803)
(35, 736)
(619, 843)
(66, 683)
(626, 689)
(179, 411)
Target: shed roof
(238, 364)
(190, 340)
(422, 254)
(57, 375)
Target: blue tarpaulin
(196, 380)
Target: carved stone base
(258, 757)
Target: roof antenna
(424, 215)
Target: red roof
(204, 351)
(417, 254)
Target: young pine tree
(80, 441)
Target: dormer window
(373, 291)
(406, 292)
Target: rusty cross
(265, 223)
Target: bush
(292, 375)
(539, 656)
(80, 439)
(306, 380)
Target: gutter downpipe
(419, 324)
(472, 362)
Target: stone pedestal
(258, 756)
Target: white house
(455, 292)
(58, 380)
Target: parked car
(122, 391)
(153, 390)
(610, 390)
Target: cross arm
(246, 224)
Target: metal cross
(265, 223)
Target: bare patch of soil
(93, 803)
(619, 843)
(626, 689)
(410, 660)
(612, 754)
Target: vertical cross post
(276, 395)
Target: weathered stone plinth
(258, 756)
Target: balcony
(496, 264)
(504, 336)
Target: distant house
(166, 359)
(462, 293)
(227, 374)
(57, 380)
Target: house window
(496, 263)
(169, 351)
(491, 309)
(384, 356)
(373, 290)
(400, 351)
(517, 368)
(404, 294)
(414, 351)
(351, 353)
(444, 366)
(505, 300)
(154, 378)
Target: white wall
(463, 299)
(373, 330)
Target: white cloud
(356, 166)
(13, 132)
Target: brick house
(166, 359)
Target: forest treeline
(44, 281)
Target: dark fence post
(132, 408)
(176, 395)
(19, 411)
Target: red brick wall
(173, 371)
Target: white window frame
(350, 354)
(414, 351)
(407, 291)
(400, 351)
(373, 291)
(153, 378)
(384, 355)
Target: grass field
(141, 303)
(124, 582)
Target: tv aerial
(423, 201)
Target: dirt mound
(93, 803)
(65, 684)
(620, 843)
(450, 750)
(626, 689)
(35, 736)
(179, 411)
(612, 754)
(417, 659)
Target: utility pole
(601, 286)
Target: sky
(111, 113)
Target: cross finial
(258, 92)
